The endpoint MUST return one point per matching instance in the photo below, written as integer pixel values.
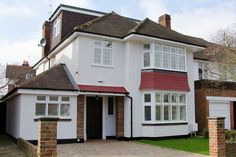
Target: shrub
(230, 136)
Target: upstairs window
(202, 71)
(164, 57)
(102, 52)
(56, 27)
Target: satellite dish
(42, 42)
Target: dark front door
(94, 118)
(2, 118)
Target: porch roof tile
(102, 89)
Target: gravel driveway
(117, 149)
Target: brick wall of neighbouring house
(202, 104)
(27, 147)
(80, 117)
(119, 117)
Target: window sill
(164, 123)
(103, 66)
(59, 119)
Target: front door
(94, 118)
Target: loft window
(56, 27)
(102, 52)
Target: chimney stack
(25, 63)
(46, 35)
(165, 21)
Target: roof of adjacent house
(118, 26)
(18, 71)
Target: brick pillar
(47, 137)
(119, 117)
(232, 115)
(80, 118)
(216, 128)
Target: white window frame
(152, 57)
(59, 102)
(102, 53)
(153, 105)
(56, 27)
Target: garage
(220, 109)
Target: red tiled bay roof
(164, 80)
(102, 89)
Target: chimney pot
(25, 63)
(165, 21)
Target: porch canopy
(102, 89)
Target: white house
(105, 75)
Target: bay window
(166, 107)
(56, 106)
(164, 57)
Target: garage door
(220, 109)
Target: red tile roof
(164, 80)
(103, 89)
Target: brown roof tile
(56, 78)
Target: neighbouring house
(105, 75)
(213, 97)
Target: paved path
(8, 148)
(118, 149)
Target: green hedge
(230, 136)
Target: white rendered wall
(13, 106)
(29, 128)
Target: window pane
(65, 98)
(147, 97)
(174, 113)
(174, 98)
(158, 113)
(97, 43)
(53, 98)
(146, 59)
(110, 106)
(166, 98)
(97, 55)
(40, 109)
(107, 44)
(182, 112)
(146, 46)
(158, 59)
(166, 112)
(182, 98)
(65, 110)
(166, 60)
(147, 113)
(158, 97)
(52, 109)
(41, 98)
(181, 62)
(174, 60)
(107, 56)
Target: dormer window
(164, 57)
(56, 27)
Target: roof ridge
(87, 24)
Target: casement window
(56, 27)
(58, 106)
(102, 52)
(164, 57)
(166, 107)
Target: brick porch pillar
(47, 137)
(216, 128)
(80, 118)
(119, 117)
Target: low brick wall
(230, 149)
(27, 147)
